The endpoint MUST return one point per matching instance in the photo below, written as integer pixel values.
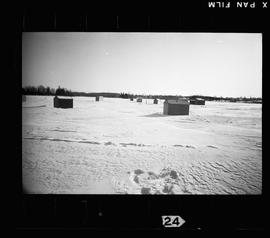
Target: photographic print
(142, 113)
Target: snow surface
(118, 146)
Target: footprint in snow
(136, 179)
(165, 179)
(152, 175)
(168, 189)
(138, 171)
(145, 190)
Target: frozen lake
(118, 146)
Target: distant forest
(48, 91)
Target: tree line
(60, 91)
(48, 91)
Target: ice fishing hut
(176, 107)
(155, 101)
(62, 102)
(23, 98)
(99, 98)
(197, 101)
(139, 99)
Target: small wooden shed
(176, 107)
(99, 98)
(197, 101)
(62, 102)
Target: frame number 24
(172, 221)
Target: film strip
(142, 212)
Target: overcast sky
(214, 64)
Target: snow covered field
(118, 146)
